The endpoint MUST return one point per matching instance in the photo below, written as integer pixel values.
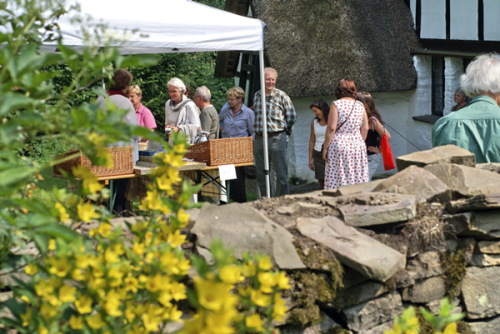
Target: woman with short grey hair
(181, 113)
(460, 99)
(475, 127)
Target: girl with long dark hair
(317, 138)
(375, 132)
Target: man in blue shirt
(237, 121)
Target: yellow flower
(103, 152)
(211, 295)
(86, 211)
(267, 281)
(265, 263)
(47, 311)
(78, 275)
(178, 291)
(395, 329)
(115, 277)
(183, 217)
(111, 256)
(83, 261)
(173, 175)
(173, 159)
(31, 269)
(59, 267)
(63, 215)
(76, 322)
(176, 239)
(139, 248)
(104, 230)
(83, 304)
(26, 318)
(131, 284)
(279, 307)
(451, 329)
(67, 294)
(230, 274)
(164, 298)
(43, 288)
(194, 326)
(53, 300)
(164, 183)
(249, 269)
(25, 299)
(254, 321)
(52, 245)
(113, 304)
(175, 314)
(152, 318)
(282, 281)
(154, 283)
(43, 330)
(90, 181)
(260, 299)
(95, 321)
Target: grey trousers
(278, 159)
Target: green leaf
(57, 231)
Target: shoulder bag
(386, 152)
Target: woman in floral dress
(345, 150)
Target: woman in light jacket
(181, 113)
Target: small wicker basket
(143, 146)
(223, 151)
(123, 162)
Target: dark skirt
(319, 165)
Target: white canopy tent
(167, 26)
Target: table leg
(112, 196)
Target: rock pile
(359, 255)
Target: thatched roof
(314, 43)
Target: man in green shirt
(475, 127)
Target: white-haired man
(281, 117)
(209, 117)
(476, 126)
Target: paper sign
(227, 172)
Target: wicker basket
(143, 146)
(224, 151)
(123, 162)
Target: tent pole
(264, 121)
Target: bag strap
(339, 126)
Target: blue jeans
(278, 159)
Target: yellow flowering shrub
(132, 282)
(444, 323)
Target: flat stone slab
(243, 229)
(447, 154)
(488, 247)
(358, 294)
(485, 260)
(374, 312)
(325, 326)
(352, 189)
(465, 180)
(479, 202)
(491, 326)
(416, 181)
(483, 224)
(370, 209)
(353, 248)
(425, 291)
(425, 265)
(481, 292)
(291, 209)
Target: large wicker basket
(224, 151)
(123, 162)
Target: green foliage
(453, 264)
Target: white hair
(482, 75)
(204, 93)
(176, 82)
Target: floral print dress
(347, 162)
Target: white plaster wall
(394, 108)
(452, 72)
(491, 20)
(422, 103)
(433, 19)
(463, 19)
(413, 8)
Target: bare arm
(331, 126)
(364, 127)
(312, 140)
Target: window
(437, 86)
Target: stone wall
(358, 255)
